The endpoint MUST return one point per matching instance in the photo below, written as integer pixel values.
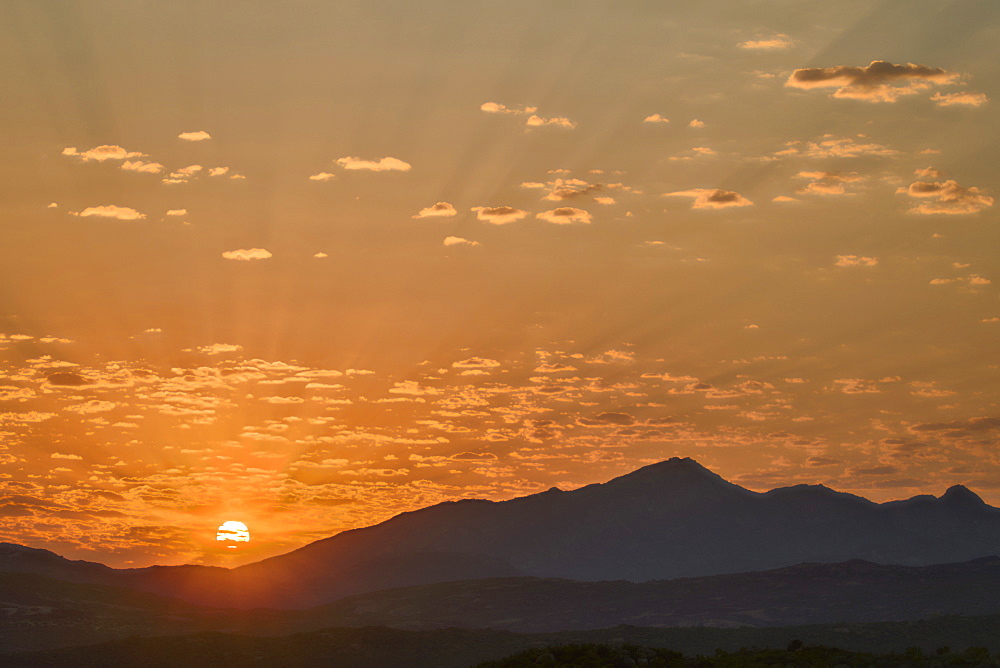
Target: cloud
(92, 406)
(177, 212)
(219, 348)
(784, 199)
(476, 363)
(247, 254)
(655, 118)
(110, 211)
(198, 135)
(695, 123)
(102, 153)
(59, 455)
(855, 261)
(565, 215)
(439, 210)
(535, 121)
(706, 198)
(880, 81)
(775, 42)
(828, 183)
(564, 189)
(218, 171)
(142, 167)
(320, 255)
(965, 98)
(474, 457)
(498, 215)
(459, 241)
(946, 197)
(496, 108)
(322, 176)
(972, 280)
(387, 164)
(832, 147)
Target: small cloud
(439, 210)
(102, 153)
(972, 281)
(320, 255)
(695, 123)
(565, 215)
(52, 205)
(784, 199)
(830, 146)
(142, 167)
(247, 254)
(535, 121)
(496, 108)
(965, 98)
(199, 135)
(220, 349)
(218, 171)
(655, 118)
(946, 197)
(177, 212)
(769, 43)
(322, 176)
(828, 183)
(855, 261)
(387, 164)
(59, 455)
(459, 241)
(605, 200)
(498, 215)
(928, 173)
(110, 211)
(706, 198)
(880, 81)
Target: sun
(233, 534)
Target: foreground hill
(667, 520)
(458, 648)
(42, 613)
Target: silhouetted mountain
(667, 520)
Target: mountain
(667, 520)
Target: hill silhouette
(667, 520)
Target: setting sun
(232, 533)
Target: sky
(314, 263)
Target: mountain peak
(674, 472)
(960, 494)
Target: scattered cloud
(830, 146)
(439, 210)
(695, 123)
(498, 215)
(964, 98)
(565, 215)
(387, 164)
(322, 176)
(247, 254)
(110, 211)
(707, 198)
(142, 167)
(459, 241)
(855, 261)
(497, 108)
(828, 183)
(220, 349)
(946, 197)
(535, 121)
(102, 153)
(198, 135)
(776, 42)
(218, 171)
(320, 255)
(880, 81)
(655, 118)
(177, 212)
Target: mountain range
(673, 519)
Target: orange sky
(313, 264)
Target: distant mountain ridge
(670, 519)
